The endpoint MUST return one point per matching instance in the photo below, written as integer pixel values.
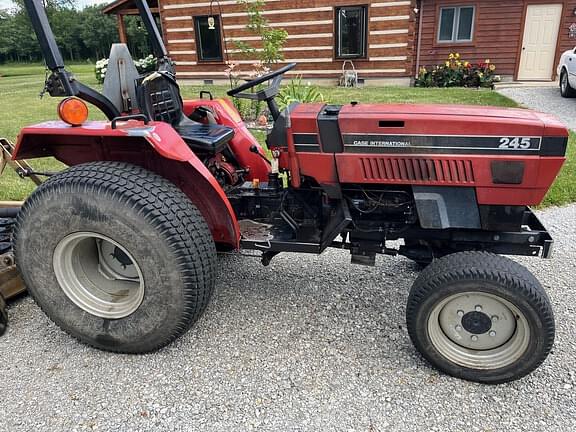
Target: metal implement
(10, 282)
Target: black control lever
(254, 149)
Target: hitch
(22, 167)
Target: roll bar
(61, 82)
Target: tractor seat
(200, 136)
(159, 98)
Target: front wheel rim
(98, 275)
(478, 330)
(564, 82)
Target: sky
(7, 4)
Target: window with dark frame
(208, 38)
(351, 25)
(456, 24)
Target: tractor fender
(156, 146)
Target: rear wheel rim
(98, 275)
(478, 330)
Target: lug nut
(492, 333)
(458, 328)
(460, 313)
(474, 338)
(494, 318)
(478, 308)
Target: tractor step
(278, 237)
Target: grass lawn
(20, 86)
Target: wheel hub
(98, 275)
(476, 322)
(479, 330)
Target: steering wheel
(269, 93)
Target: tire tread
(475, 265)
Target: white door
(539, 42)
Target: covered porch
(122, 8)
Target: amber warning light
(73, 111)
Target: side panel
(462, 170)
(156, 147)
(306, 148)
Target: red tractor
(120, 249)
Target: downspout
(421, 14)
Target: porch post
(122, 29)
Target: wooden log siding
(564, 41)
(311, 41)
(498, 32)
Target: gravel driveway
(306, 344)
(545, 99)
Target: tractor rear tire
(116, 256)
(480, 317)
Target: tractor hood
(448, 119)
(405, 128)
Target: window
(456, 24)
(208, 40)
(351, 23)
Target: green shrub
(456, 72)
(146, 64)
(297, 92)
(100, 70)
(143, 65)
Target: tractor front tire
(480, 317)
(116, 256)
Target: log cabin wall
(566, 42)
(389, 51)
(497, 34)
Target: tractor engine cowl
(507, 156)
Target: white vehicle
(567, 73)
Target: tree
(80, 34)
(137, 37)
(98, 31)
(272, 40)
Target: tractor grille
(417, 169)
